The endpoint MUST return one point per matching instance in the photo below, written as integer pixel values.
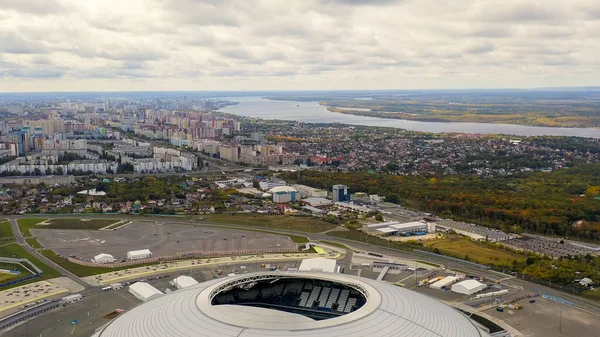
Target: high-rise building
(340, 193)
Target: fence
(19, 280)
(182, 255)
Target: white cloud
(298, 44)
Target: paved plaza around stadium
(161, 239)
(543, 319)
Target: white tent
(468, 287)
(139, 254)
(318, 264)
(183, 281)
(143, 291)
(104, 258)
(446, 281)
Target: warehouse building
(468, 287)
(144, 292)
(397, 228)
(445, 282)
(307, 191)
(104, 258)
(139, 254)
(317, 202)
(183, 281)
(283, 194)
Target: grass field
(363, 237)
(91, 224)
(34, 243)
(335, 244)
(299, 239)
(592, 295)
(75, 268)
(430, 263)
(284, 222)
(5, 229)
(10, 266)
(15, 250)
(28, 223)
(477, 252)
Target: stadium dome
(292, 304)
(283, 189)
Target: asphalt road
(21, 240)
(362, 246)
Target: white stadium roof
(389, 311)
(282, 189)
(318, 264)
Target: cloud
(479, 48)
(36, 7)
(296, 44)
(13, 44)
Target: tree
(59, 171)
(48, 171)
(378, 217)
(37, 172)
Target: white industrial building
(143, 291)
(307, 191)
(468, 287)
(139, 254)
(319, 264)
(283, 194)
(104, 258)
(317, 202)
(445, 282)
(183, 281)
(397, 228)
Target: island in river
(549, 108)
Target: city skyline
(143, 45)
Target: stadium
(292, 304)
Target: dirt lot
(161, 239)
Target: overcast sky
(86, 45)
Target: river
(312, 112)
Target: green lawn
(284, 222)
(477, 252)
(592, 294)
(5, 229)
(10, 266)
(299, 239)
(34, 243)
(335, 244)
(91, 224)
(363, 237)
(75, 268)
(431, 264)
(28, 223)
(83, 271)
(16, 251)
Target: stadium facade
(293, 304)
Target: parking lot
(547, 247)
(161, 239)
(90, 311)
